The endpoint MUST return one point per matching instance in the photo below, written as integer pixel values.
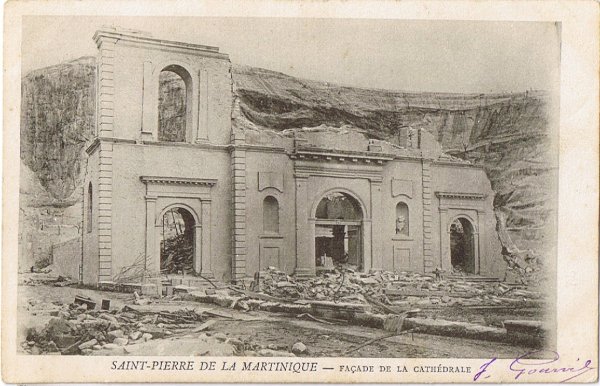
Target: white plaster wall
(129, 206)
(265, 162)
(404, 170)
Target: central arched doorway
(177, 249)
(338, 230)
(462, 245)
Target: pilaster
(150, 262)
(206, 255)
(305, 231)
(106, 87)
(149, 105)
(238, 172)
(105, 212)
(428, 258)
(202, 133)
(376, 231)
(445, 261)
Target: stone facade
(253, 197)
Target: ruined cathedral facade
(194, 195)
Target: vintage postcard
(288, 191)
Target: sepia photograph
(284, 189)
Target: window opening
(270, 215)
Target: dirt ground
(274, 332)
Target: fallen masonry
(395, 289)
(77, 329)
(386, 300)
(397, 302)
(141, 330)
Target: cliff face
(275, 101)
(506, 133)
(57, 118)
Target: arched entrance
(177, 241)
(462, 245)
(338, 230)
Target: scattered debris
(204, 326)
(79, 328)
(178, 252)
(310, 317)
(45, 277)
(371, 341)
(299, 348)
(105, 304)
(82, 300)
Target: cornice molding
(178, 181)
(340, 156)
(139, 40)
(461, 196)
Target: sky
(442, 56)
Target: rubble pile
(396, 288)
(77, 330)
(178, 255)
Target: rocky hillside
(57, 118)
(506, 133)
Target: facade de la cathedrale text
(194, 197)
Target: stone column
(206, 256)
(198, 248)
(478, 234)
(366, 241)
(192, 98)
(377, 228)
(151, 253)
(155, 265)
(305, 254)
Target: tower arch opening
(174, 104)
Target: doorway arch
(338, 230)
(463, 251)
(178, 238)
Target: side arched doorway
(462, 245)
(338, 230)
(177, 241)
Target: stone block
(149, 289)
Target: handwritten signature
(539, 362)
